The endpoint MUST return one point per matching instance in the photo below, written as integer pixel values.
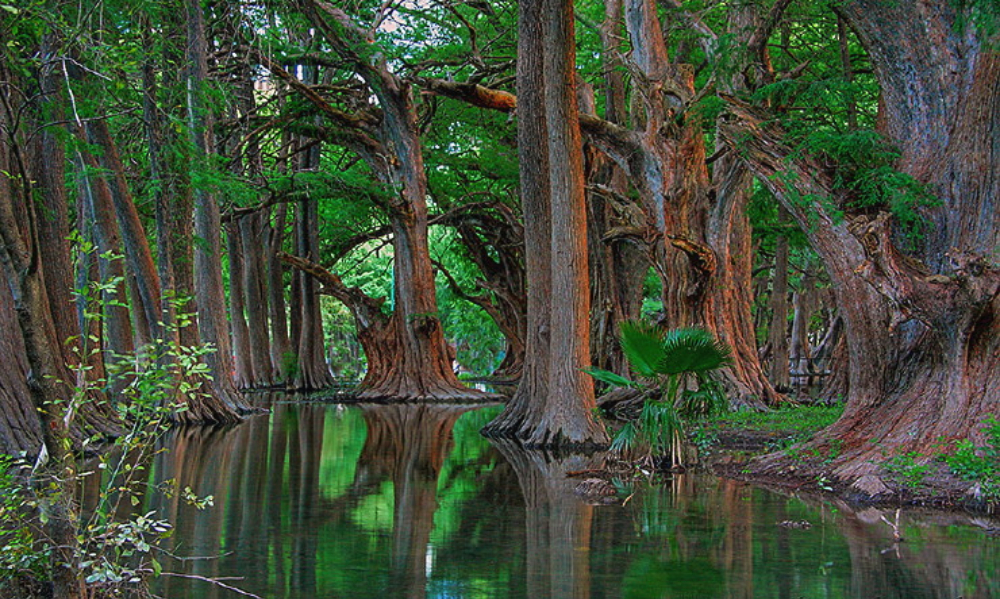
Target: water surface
(329, 501)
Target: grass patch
(802, 419)
(762, 431)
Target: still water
(330, 501)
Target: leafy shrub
(980, 464)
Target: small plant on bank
(908, 470)
(980, 464)
(674, 375)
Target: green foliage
(910, 469)
(865, 172)
(980, 464)
(111, 553)
(21, 554)
(664, 359)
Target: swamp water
(331, 501)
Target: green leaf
(642, 344)
(611, 378)
(692, 350)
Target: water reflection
(409, 501)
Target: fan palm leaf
(691, 350)
(642, 344)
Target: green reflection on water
(410, 501)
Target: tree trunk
(223, 404)
(280, 343)
(730, 292)
(423, 369)
(554, 402)
(96, 208)
(254, 246)
(138, 255)
(243, 376)
(618, 265)
(312, 371)
(20, 427)
(799, 353)
(777, 332)
(687, 236)
(50, 382)
(922, 330)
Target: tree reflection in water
(386, 501)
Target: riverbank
(764, 448)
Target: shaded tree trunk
(281, 345)
(243, 375)
(799, 352)
(922, 328)
(138, 255)
(554, 402)
(777, 335)
(254, 250)
(312, 371)
(96, 210)
(20, 426)
(618, 264)
(223, 404)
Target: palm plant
(666, 363)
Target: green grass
(803, 419)
(773, 430)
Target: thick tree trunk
(254, 250)
(686, 233)
(169, 158)
(50, 382)
(423, 369)
(20, 426)
(730, 291)
(96, 209)
(312, 371)
(554, 401)
(618, 264)
(138, 255)
(281, 345)
(224, 403)
(566, 416)
(777, 332)
(243, 375)
(923, 338)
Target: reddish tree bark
(553, 403)
(422, 368)
(243, 375)
(254, 250)
(223, 404)
(922, 327)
